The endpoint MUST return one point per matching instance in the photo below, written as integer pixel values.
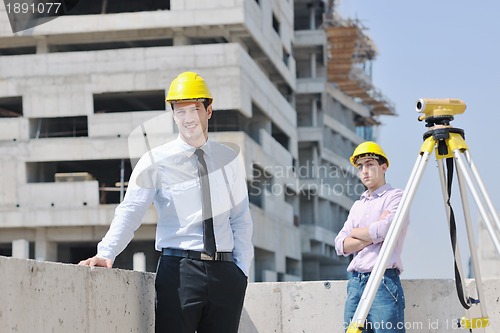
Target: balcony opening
(316, 247)
(98, 46)
(73, 252)
(366, 127)
(11, 107)
(208, 40)
(280, 136)
(258, 122)
(308, 15)
(260, 184)
(6, 249)
(225, 121)
(308, 160)
(106, 172)
(11, 51)
(293, 267)
(287, 92)
(306, 105)
(265, 267)
(276, 24)
(292, 198)
(365, 132)
(286, 57)
(307, 214)
(304, 117)
(75, 7)
(61, 127)
(129, 101)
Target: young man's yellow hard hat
(368, 148)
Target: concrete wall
(51, 297)
(45, 297)
(489, 260)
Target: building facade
(82, 97)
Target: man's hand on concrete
(97, 261)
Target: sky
(435, 49)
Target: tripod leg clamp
(354, 328)
(474, 323)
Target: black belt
(219, 256)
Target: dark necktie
(206, 207)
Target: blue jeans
(387, 311)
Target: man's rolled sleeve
(378, 230)
(345, 232)
(342, 235)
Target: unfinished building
(82, 96)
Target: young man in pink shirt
(362, 237)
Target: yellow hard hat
(188, 86)
(368, 148)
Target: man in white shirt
(204, 227)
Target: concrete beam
(68, 298)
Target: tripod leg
(375, 278)
(472, 312)
(494, 232)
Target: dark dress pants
(195, 295)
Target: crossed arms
(360, 238)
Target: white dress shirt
(168, 177)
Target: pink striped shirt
(366, 212)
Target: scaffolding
(350, 52)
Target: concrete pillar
(314, 161)
(315, 207)
(21, 249)
(251, 274)
(41, 45)
(139, 262)
(314, 112)
(177, 5)
(312, 16)
(280, 260)
(181, 40)
(313, 65)
(44, 250)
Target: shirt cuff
(106, 254)
(340, 247)
(244, 268)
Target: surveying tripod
(449, 144)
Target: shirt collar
(377, 193)
(190, 149)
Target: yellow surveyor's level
(474, 323)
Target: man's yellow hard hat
(368, 148)
(188, 86)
